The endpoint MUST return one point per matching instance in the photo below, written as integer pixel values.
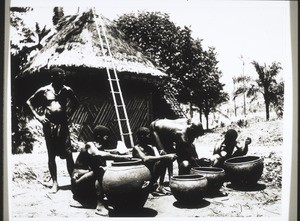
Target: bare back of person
(180, 133)
(168, 131)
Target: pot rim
(188, 177)
(133, 161)
(210, 169)
(257, 159)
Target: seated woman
(228, 148)
(154, 162)
(86, 181)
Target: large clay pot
(215, 176)
(125, 184)
(188, 188)
(244, 170)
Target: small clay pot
(125, 184)
(188, 188)
(244, 170)
(215, 176)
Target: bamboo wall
(92, 113)
(96, 103)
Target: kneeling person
(89, 170)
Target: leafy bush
(242, 123)
(22, 137)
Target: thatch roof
(77, 44)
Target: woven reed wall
(102, 112)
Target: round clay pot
(244, 170)
(125, 184)
(188, 188)
(215, 176)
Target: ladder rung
(126, 133)
(113, 79)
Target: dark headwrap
(55, 72)
(101, 131)
(231, 134)
(142, 132)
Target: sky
(255, 30)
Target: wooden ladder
(119, 104)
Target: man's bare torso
(54, 103)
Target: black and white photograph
(149, 109)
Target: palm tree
(266, 81)
(234, 80)
(32, 39)
(58, 13)
(243, 88)
(266, 84)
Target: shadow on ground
(65, 187)
(215, 194)
(143, 212)
(252, 187)
(191, 205)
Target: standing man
(48, 105)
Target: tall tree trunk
(244, 104)
(206, 116)
(200, 114)
(234, 107)
(191, 110)
(206, 113)
(267, 104)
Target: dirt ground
(30, 199)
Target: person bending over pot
(229, 147)
(90, 165)
(181, 132)
(156, 163)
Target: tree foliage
(267, 82)
(277, 97)
(26, 39)
(267, 85)
(193, 72)
(58, 13)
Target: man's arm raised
(40, 118)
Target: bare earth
(31, 199)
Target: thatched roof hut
(76, 48)
(77, 44)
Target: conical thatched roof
(77, 44)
